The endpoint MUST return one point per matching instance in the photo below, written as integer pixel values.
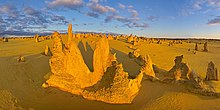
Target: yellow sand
(24, 79)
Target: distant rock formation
(134, 54)
(212, 72)
(130, 39)
(5, 39)
(159, 42)
(47, 51)
(117, 38)
(136, 43)
(70, 32)
(205, 47)
(110, 37)
(108, 82)
(196, 47)
(36, 37)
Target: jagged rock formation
(130, 39)
(205, 47)
(159, 42)
(134, 54)
(108, 82)
(70, 32)
(180, 70)
(5, 39)
(115, 87)
(117, 38)
(47, 51)
(212, 72)
(196, 47)
(146, 65)
(135, 43)
(36, 37)
(110, 37)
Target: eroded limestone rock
(196, 47)
(180, 70)
(70, 32)
(146, 65)
(36, 37)
(20, 59)
(115, 86)
(130, 39)
(47, 51)
(212, 72)
(108, 82)
(205, 47)
(134, 54)
(5, 39)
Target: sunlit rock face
(180, 70)
(107, 82)
(70, 32)
(147, 67)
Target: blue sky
(153, 18)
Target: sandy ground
(20, 82)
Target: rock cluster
(108, 82)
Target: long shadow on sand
(87, 53)
(129, 65)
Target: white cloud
(72, 4)
(8, 9)
(215, 21)
(130, 6)
(121, 6)
(133, 12)
(100, 8)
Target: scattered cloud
(202, 6)
(27, 19)
(138, 25)
(9, 9)
(71, 4)
(152, 18)
(133, 12)
(92, 14)
(129, 22)
(30, 20)
(96, 7)
(130, 6)
(121, 6)
(215, 21)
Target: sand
(22, 80)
